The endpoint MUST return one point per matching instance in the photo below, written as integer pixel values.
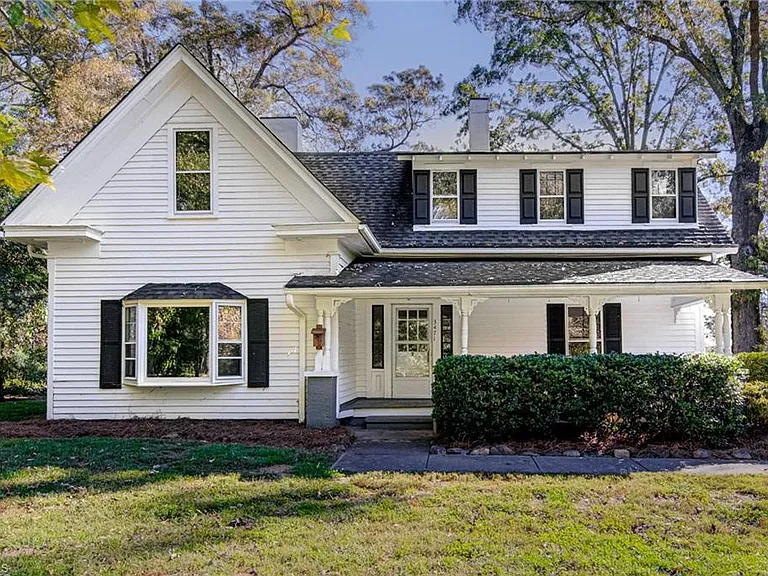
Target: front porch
(380, 342)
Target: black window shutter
(640, 195)
(612, 327)
(686, 178)
(110, 369)
(528, 197)
(421, 197)
(575, 195)
(468, 199)
(446, 330)
(555, 328)
(258, 342)
(377, 336)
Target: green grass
(15, 410)
(106, 506)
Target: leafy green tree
(33, 35)
(23, 289)
(724, 44)
(579, 83)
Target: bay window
(184, 342)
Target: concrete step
(398, 422)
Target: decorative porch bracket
(465, 305)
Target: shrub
(756, 404)
(17, 387)
(696, 397)
(757, 365)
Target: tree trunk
(747, 216)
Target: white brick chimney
(479, 125)
(287, 129)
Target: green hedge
(651, 397)
(756, 364)
(756, 405)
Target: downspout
(289, 301)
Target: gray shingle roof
(179, 291)
(376, 187)
(391, 273)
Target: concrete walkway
(413, 455)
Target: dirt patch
(280, 434)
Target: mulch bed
(756, 445)
(281, 434)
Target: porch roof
(400, 273)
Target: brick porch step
(398, 422)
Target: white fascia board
(315, 229)
(554, 156)
(617, 252)
(542, 290)
(39, 235)
(280, 152)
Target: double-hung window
(193, 172)
(129, 342)
(184, 342)
(577, 332)
(551, 195)
(663, 195)
(445, 196)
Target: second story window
(552, 195)
(663, 194)
(445, 196)
(192, 167)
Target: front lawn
(119, 506)
(17, 410)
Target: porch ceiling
(400, 273)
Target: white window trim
(215, 353)
(540, 196)
(673, 195)
(214, 138)
(142, 347)
(135, 342)
(568, 338)
(443, 221)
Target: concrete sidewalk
(413, 456)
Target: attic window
(193, 183)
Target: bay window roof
(185, 291)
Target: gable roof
(144, 110)
(377, 187)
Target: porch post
(718, 327)
(465, 305)
(319, 353)
(464, 331)
(593, 330)
(727, 328)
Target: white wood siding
(518, 326)
(607, 191)
(348, 350)
(141, 244)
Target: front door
(413, 352)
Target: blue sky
(405, 34)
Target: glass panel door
(413, 353)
